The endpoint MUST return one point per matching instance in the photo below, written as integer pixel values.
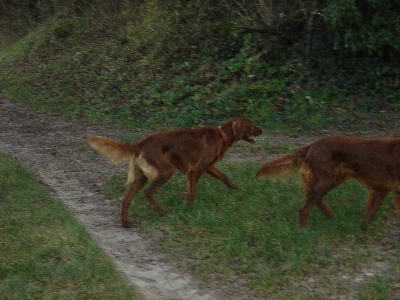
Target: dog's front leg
(214, 172)
(374, 201)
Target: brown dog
(330, 161)
(191, 151)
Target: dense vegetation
(293, 64)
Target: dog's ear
(238, 128)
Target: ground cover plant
(94, 82)
(289, 65)
(45, 252)
(251, 236)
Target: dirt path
(53, 149)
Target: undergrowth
(70, 69)
(183, 63)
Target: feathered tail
(114, 151)
(283, 164)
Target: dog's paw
(160, 210)
(364, 226)
(233, 186)
(127, 224)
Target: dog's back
(186, 149)
(372, 161)
(362, 157)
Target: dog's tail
(283, 164)
(114, 151)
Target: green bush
(370, 26)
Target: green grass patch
(376, 288)
(277, 148)
(45, 252)
(251, 235)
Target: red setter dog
(191, 151)
(330, 161)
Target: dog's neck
(224, 137)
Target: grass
(376, 288)
(251, 235)
(278, 148)
(45, 252)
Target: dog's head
(243, 129)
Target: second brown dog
(330, 161)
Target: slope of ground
(54, 150)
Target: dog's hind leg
(374, 201)
(214, 172)
(133, 188)
(160, 180)
(325, 209)
(315, 195)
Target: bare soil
(55, 151)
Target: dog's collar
(224, 137)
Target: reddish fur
(191, 151)
(330, 161)
(116, 152)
